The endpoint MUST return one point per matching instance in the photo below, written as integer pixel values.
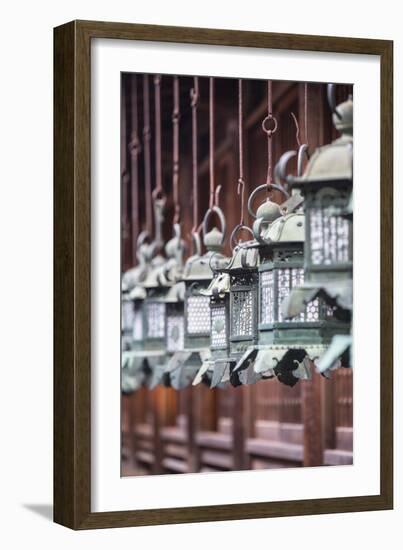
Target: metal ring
(217, 210)
(281, 166)
(269, 131)
(158, 194)
(142, 238)
(217, 268)
(237, 228)
(331, 98)
(196, 243)
(301, 151)
(252, 196)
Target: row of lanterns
(280, 307)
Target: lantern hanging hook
(218, 266)
(269, 126)
(331, 98)
(215, 210)
(175, 152)
(240, 227)
(273, 186)
(194, 101)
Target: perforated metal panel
(155, 315)
(127, 315)
(198, 315)
(242, 313)
(267, 297)
(218, 326)
(329, 237)
(138, 325)
(175, 333)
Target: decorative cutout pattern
(198, 315)
(218, 326)
(329, 237)
(242, 313)
(175, 333)
(138, 326)
(155, 320)
(267, 297)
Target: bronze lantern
(191, 365)
(327, 190)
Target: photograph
(236, 274)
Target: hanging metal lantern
(133, 295)
(242, 271)
(218, 293)
(327, 189)
(170, 293)
(288, 346)
(191, 365)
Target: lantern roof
(137, 293)
(339, 292)
(333, 161)
(219, 286)
(287, 228)
(155, 273)
(133, 276)
(245, 257)
(175, 293)
(201, 268)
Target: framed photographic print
(223, 275)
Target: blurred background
(265, 425)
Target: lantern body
(218, 292)
(175, 319)
(327, 190)
(243, 300)
(194, 357)
(329, 234)
(154, 308)
(281, 271)
(127, 321)
(219, 311)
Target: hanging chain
(306, 113)
(194, 100)
(158, 165)
(211, 121)
(147, 156)
(175, 172)
(269, 125)
(296, 129)
(241, 181)
(135, 149)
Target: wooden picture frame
(72, 272)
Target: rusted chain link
(135, 148)
(175, 170)
(158, 191)
(211, 128)
(241, 180)
(194, 100)
(147, 156)
(269, 126)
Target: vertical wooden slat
(328, 413)
(238, 429)
(312, 420)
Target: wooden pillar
(132, 406)
(328, 413)
(156, 423)
(193, 457)
(312, 420)
(239, 428)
